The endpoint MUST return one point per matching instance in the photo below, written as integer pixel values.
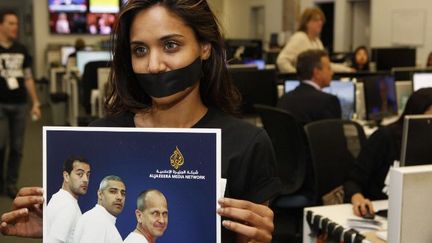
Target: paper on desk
(360, 223)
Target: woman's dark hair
(417, 104)
(354, 63)
(216, 89)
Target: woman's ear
(205, 50)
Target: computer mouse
(368, 214)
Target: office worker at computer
(307, 37)
(307, 102)
(360, 59)
(367, 178)
(180, 42)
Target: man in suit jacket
(307, 102)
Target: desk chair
(56, 79)
(287, 137)
(334, 144)
(89, 81)
(98, 95)
(288, 144)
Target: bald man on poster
(152, 217)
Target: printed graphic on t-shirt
(11, 65)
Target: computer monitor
(243, 49)
(416, 140)
(83, 57)
(344, 90)
(67, 6)
(256, 87)
(422, 80)
(410, 209)
(110, 6)
(390, 57)
(404, 90)
(290, 85)
(380, 97)
(259, 63)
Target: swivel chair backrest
(334, 145)
(288, 142)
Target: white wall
(42, 36)
(381, 23)
(236, 17)
(216, 6)
(361, 24)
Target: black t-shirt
(248, 160)
(372, 165)
(13, 61)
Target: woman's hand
(361, 205)
(253, 221)
(25, 218)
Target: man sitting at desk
(307, 102)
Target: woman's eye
(140, 51)
(171, 45)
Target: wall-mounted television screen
(104, 6)
(83, 16)
(67, 6)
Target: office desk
(339, 215)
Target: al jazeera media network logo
(177, 160)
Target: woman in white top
(305, 38)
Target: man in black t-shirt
(16, 83)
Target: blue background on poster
(135, 155)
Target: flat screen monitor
(409, 204)
(380, 97)
(290, 85)
(239, 50)
(83, 16)
(83, 57)
(104, 6)
(344, 90)
(416, 140)
(391, 57)
(67, 5)
(404, 90)
(256, 87)
(422, 80)
(259, 63)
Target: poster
(144, 159)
